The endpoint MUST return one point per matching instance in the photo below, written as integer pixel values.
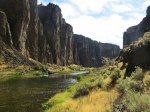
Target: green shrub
(136, 102)
(16, 76)
(99, 83)
(115, 75)
(137, 74)
(82, 90)
(137, 86)
(147, 83)
(123, 85)
(38, 73)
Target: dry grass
(146, 81)
(107, 81)
(10, 71)
(96, 101)
(5, 70)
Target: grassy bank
(64, 70)
(91, 93)
(105, 90)
(9, 71)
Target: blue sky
(102, 20)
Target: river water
(27, 95)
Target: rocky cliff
(58, 34)
(109, 50)
(5, 34)
(89, 53)
(17, 12)
(86, 51)
(137, 46)
(137, 54)
(133, 33)
(40, 32)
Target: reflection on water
(26, 95)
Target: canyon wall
(135, 32)
(58, 34)
(88, 52)
(41, 33)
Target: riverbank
(91, 93)
(9, 71)
(104, 90)
(29, 87)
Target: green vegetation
(85, 87)
(137, 102)
(10, 71)
(133, 91)
(18, 75)
(137, 74)
(97, 79)
(134, 82)
(103, 89)
(142, 41)
(65, 70)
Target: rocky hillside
(41, 33)
(58, 34)
(137, 54)
(88, 52)
(133, 33)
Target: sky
(102, 20)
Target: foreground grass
(135, 92)
(105, 90)
(97, 101)
(90, 94)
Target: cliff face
(58, 34)
(38, 32)
(89, 53)
(86, 51)
(41, 33)
(109, 50)
(137, 46)
(133, 33)
(33, 29)
(17, 12)
(5, 34)
(137, 54)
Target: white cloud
(122, 8)
(105, 29)
(69, 11)
(42, 1)
(102, 20)
(89, 6)
(146, 3)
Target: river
(27, 95)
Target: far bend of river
(27, 95)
